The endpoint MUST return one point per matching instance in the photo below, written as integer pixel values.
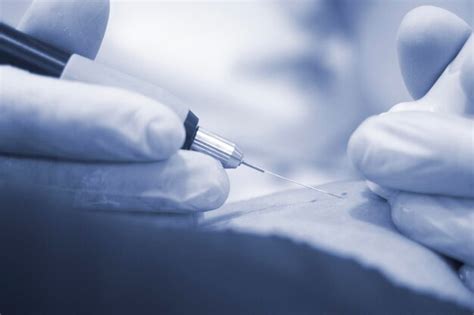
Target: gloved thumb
(76, 26)
(428, 40)
(442, 223)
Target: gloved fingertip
(360, 144)
(356, 145)
(466, 274)
(404, 216)
(212, 185)
(165, 136)
(400, 215)
(218, 188)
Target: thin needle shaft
(290, 180)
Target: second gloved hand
(422, 161)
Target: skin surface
(57, 260)
(358, 227)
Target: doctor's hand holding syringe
(96, 147)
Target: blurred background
(287, 80)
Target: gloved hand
(420, 155)
(95, 147)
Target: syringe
(230, 155)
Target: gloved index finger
(71, 120)
(421, 152)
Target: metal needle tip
(290, 180)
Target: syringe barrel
(228, 153)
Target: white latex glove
(95, 147)
(420, 155)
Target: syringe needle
(290, 180)
(254, 167)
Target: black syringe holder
(23, 51)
